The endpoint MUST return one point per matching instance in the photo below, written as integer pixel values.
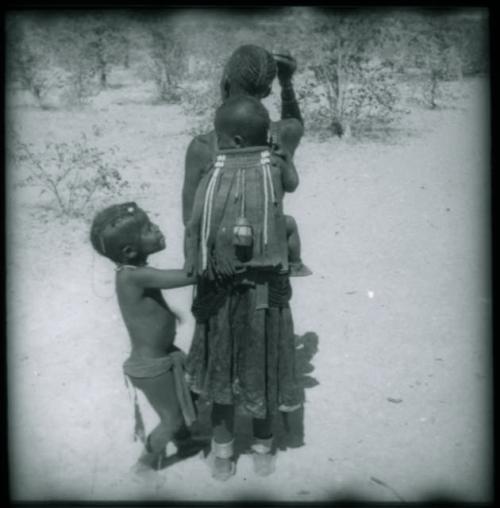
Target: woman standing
(243, 353)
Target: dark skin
(151, 325)
(200, 150)
(149, 320)
(229, 136)
(198, 159)
(289, 176)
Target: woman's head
(250, 70)
(124, 234)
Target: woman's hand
(286, 64)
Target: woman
(243, 353)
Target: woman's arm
(290, 133)
(198, 156)
(291, 126)
(192, 229)
(289, 106)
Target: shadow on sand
(289, 429)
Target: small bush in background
(200, 102)
(76, 176)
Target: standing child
(124, 234)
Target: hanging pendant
(242, 232)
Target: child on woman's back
(242, 124)
(124, 234)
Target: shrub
(200, 102)
(76, 176)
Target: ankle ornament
(223, 450)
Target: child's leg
(293, 239)
(297, 267)
(223, 438)
(160, 392)
(263, 459)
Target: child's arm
(147, 277)
(289, 175)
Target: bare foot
(299, 269)
(222, 469)
(263, 463)
(144, 469)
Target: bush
(76, 176)
(200, 102)
(369, 100)
(372, 102)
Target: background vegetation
(358, 72)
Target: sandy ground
(398, 389)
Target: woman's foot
(263, 459)
(221, 460)
(263, 463)
(223, 469)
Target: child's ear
(129, 252)
(238, 140)
(266, 93)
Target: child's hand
(286, 64)
(189, 268)
(224, 269)
(281, 153)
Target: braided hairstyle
(251, 69)
(116, 227)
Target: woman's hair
(115, 227)
(251, 69)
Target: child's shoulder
(126, 274)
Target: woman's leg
(223, 439)
(262, 427)
(223, 422)
(263, 459)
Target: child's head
(241, 121)
(124, 234)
